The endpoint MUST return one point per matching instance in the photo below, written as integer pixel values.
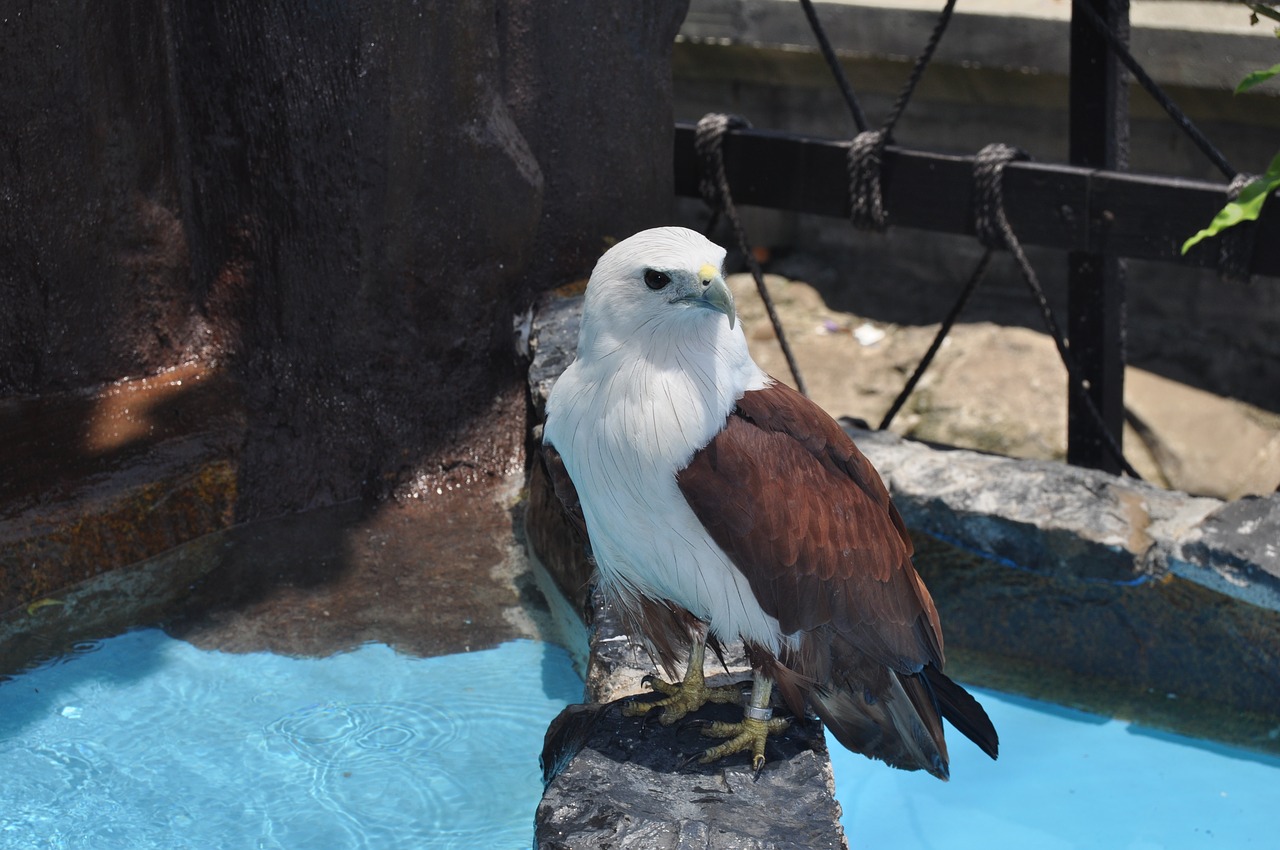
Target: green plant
(1248, 205)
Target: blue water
(1065, 779)
(144, 741)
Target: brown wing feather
(565, 491)
(805, 517)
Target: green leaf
(1256, 77)
(1246, 207)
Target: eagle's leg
(758, 723)
(686, 696)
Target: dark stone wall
(94, 273)
(342, 203)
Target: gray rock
(1044, 516)
(1235, 551)
(622, 782)
(1070, 522)
(552, 344)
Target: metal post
(1099, 138)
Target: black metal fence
(1090, 208)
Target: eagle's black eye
(655, 279)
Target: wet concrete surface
(122, 506)
(429, 576)
(59, 444)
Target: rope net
(866, 160)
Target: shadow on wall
(331, 215)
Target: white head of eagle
(718, 500)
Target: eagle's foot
(750, 734)
(681, 698)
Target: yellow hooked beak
(714, 294)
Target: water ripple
(146, 742)
(348, 735)
(380, 772)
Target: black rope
(866, 151)
(988, 196)
(1153, 88)
(989, 222)
(966, 293)
(867, 201)
(865, 162)
(904, 96)
(1001, 234)
(922, 62)
(714, 188)
(837, 70)
(866, 197)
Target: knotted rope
(988, 206)
(713, 185)
(866, 198)
(866, 151)
(996, 157)
(992, 228)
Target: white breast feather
(625, 421)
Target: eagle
(720, 504)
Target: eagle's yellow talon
(680, 698)
(684, 697)
(749, 734)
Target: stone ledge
(92, 481)
(1067, 521)
(623, 782)
(1235, 551)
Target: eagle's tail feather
(894, 727)
(892, 716)
(963, 711)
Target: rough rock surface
(1050, 517)
(334, 209)
(1236, 550)
(1080, 523)
(624, 782)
